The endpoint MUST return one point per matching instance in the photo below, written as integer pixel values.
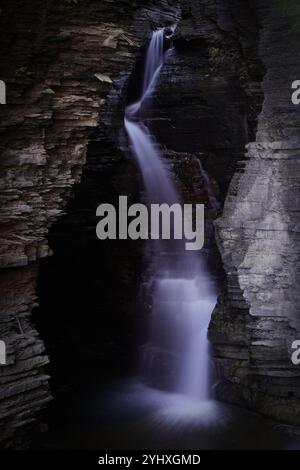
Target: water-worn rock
(254, 325)
(59, 62)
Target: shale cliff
(58, 60)
(255, 323)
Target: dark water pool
(131, 416)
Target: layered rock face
(58, 62)
(254, 325)
(207, 101)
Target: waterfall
(176, 355)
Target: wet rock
(257, 237)
(51, 55)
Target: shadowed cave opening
(87, 289)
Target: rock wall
(207, 102)
(255, 323)
(58, 61)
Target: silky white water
(176, 356)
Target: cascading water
(176, 355)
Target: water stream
(176, 355)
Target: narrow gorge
(205, 89)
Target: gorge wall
(255, 323)
(65, 66)
(58, 60)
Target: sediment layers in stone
(254, 325)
